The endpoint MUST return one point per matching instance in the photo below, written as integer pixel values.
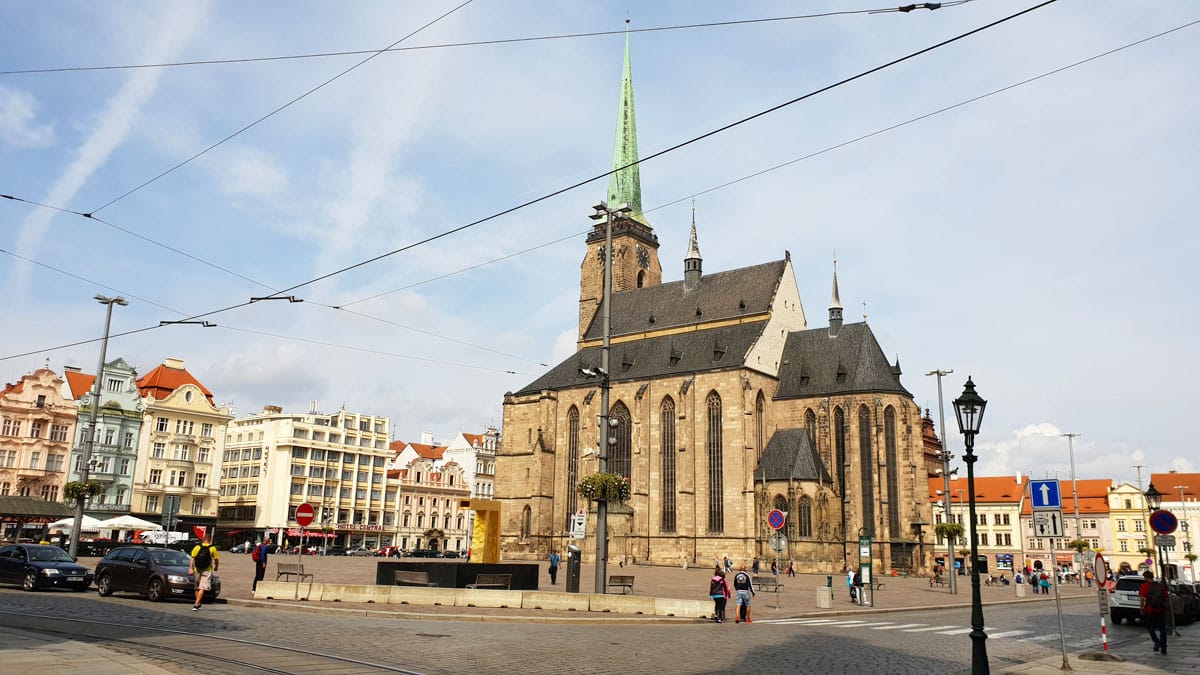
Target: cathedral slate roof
(818, 364)
(718, 296)
(790, 456)
(665, 356)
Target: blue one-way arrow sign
(1045, 495)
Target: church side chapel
(724, 405)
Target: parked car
(244, 547)
(157, 573)
(1124, 603)
(360, 552)
(335, 550)
(450, 554)
(1189, 602)
(389, 552)
(37, 566)
(422, 553)
(94, 548)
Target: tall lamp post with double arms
(969, 410)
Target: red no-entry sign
(305, 514)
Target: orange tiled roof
(80, 383)
(1166, 482)
(161, 381)
(990, 489)
(474, 439)
(1093, 496)
(428, 451)
(397, 446)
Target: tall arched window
(572, 463)
(667, 446)
(716, 501)
(526, 522)
(620, 455)
(810, 426)
(804, 526)
(760, 425)
(893, 470)
(868, 476)
(839, 442)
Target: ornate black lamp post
(969, 409)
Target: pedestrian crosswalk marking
(904, 625)
(1011, 633)
(1042, 638)
(927, 629)
(950, 629)
(960, 631)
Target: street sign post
(1101, 569)
(305, 513)
(778, 542)
(1163, 522)
(775, 519)
(1048, 523)
(1045, 495)
(579, 525)
(1164, 540)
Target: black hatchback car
(157, 573)
(37, 566)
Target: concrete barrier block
(286, 590)
(621, 604)
(578, 602)
(353, 593)
(417, 595)
(484, 597)
(686, 608)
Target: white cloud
(251, 173)
(18, 110)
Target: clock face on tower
(643, 257)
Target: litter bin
(573, 563)
(824, 597)
(1020, 590)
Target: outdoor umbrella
(127, 523)
(89, 524)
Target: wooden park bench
(495, 581)
(876, 584)
(409, 578)
(937, 580)
(625, 581)
(285, 570)
(770, 585)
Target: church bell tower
(635, 246)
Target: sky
(1035, 239)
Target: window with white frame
(158, 451)
(113, 384)
(197, 507)
(182, 452)
(152, 503)
(206, 429)
(185, 427)
(58, 432)
(128, 439)
(155, 476)
(35, 429)
(35, 459)
(11, 428)
(124, 467)
(160, 424)
(201, 480)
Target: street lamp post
(946, 456)
(601, 210)
(1075, 498)
(85, 463)
(969, 409)
(1187, 534)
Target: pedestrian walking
(728, 566)
(1044, 584)
(553, 568)
(850, 582)
(202, 565)
(718, 590)
(744, 587)
(259, 556)
(774, 568)
(1154, 600)
(755, 566)
(791, 572)
(858, 586)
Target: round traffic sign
(305, 514)
(775, 519)
(1163, 522)
(778, 542)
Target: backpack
(256, 554)
(203, 558)
(717, 587)
(1154, 595)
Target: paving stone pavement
(797, 606)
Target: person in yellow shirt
(204, 562)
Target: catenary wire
(579, 184)
(256, 122)
(263, 333)
(790, 162)
(477, 43)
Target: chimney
(426, 438)
(1019, 478)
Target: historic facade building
(431, 515)
(179, 448)
(118, 426)
(275, 461)
(726, 405)
(36, 427)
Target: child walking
(718, 590)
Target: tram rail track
(190, 651)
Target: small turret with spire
(692, 262)
(835, 306)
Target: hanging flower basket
(75, 490)
(607, 487)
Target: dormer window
(41, 401)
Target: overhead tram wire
(790, 162)
(235, 274)
(274, 112)
(248, 330)
(481, 43)
(579, 184)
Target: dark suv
(157, 573)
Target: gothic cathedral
(724, 406)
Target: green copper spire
(625, 186)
